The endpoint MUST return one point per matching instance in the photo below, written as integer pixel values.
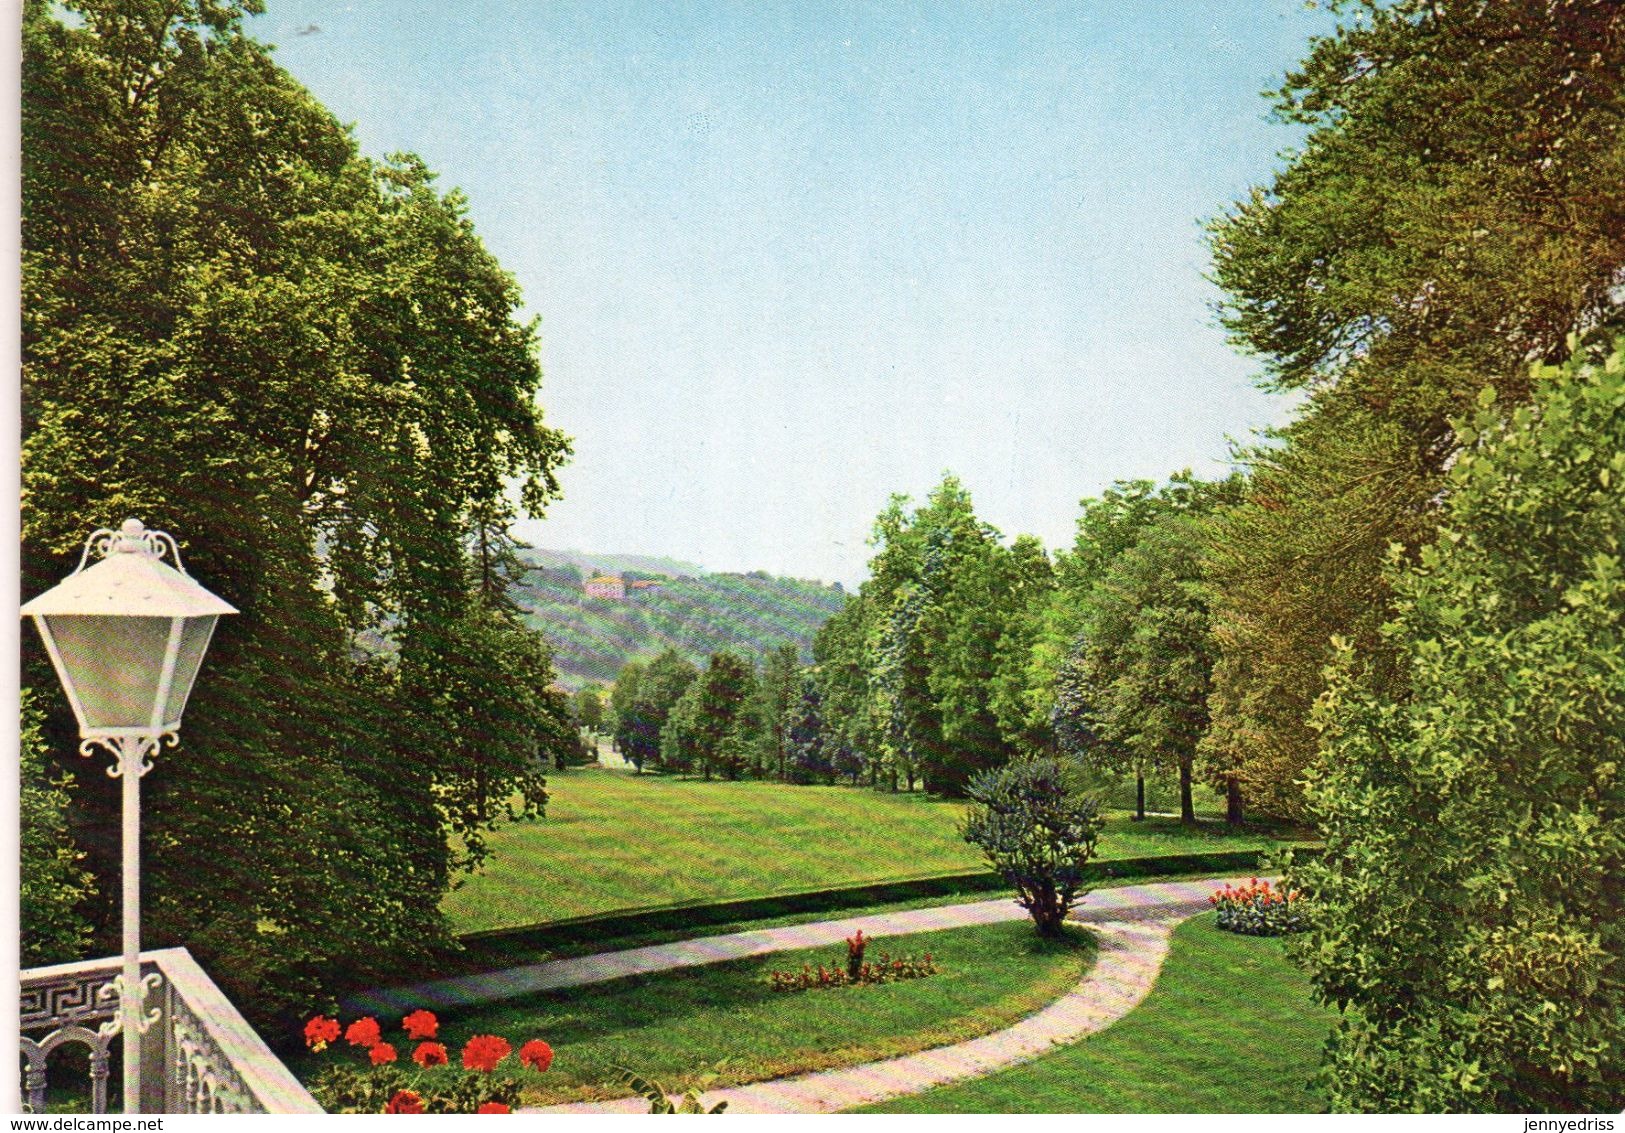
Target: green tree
(775, 695)
(305, 364)
(840, 666)
(660, 685)
(623, 696)
(1140, 669)
(900, 692)
(53, 883)
(721, 715)
(587, 708)
(680, 735)
(1146, 653)
(940, 595)
(1038, 830)
(1455, 211)
(1108, 526)
(810, 755)
(1031, 589)
(1468, 917)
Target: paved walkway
(1131, 954)
(1154, 901)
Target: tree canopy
(1469, 919)
(305, 365)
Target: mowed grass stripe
(614, 841)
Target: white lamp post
(127, 636)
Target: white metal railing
(200, 1057)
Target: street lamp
(127, 636)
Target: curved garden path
(1161, 900)
(1131, 954)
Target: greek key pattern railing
(201, 1057)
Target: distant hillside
(696, 615)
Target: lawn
(1228, 1028)
(614, 841)
(724, 1020)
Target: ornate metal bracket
(113, 991)
(131, 537)
(129, 751)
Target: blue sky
(791, 258)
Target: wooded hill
(592, 638)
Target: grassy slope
(723, 1018)
(615, 841)
(1228, 1028)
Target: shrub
(1258, 909)
(1038, 832)
(380, 1084)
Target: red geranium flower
(320, 1031)
(421, 1024)
(381, 1053)
(364, 1032)
(404, 1101)
(537, 1055)
(493, 1107)
(429, 1054)
(483, 1052)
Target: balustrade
(200, 1057)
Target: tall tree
(1456, 210)
(306, 365)
(1469, 922)
(659, 687)
(810, 755)
(776, 690)
(1145, 654)
(1031, 581)
(721, 715)
(840, 666)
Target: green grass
(723, 1019)
(614, 841)
(1228, 1028)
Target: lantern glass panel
(114, 665)
(194, 640)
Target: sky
(790, 259)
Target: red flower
(421, 1024)
(537, 1055)
(320, 1031)
(404, 1101)
(493, 1107)
(364, 1032)
(381, 1053)
(483, 1052)
(429, 1054)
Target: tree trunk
(1187, 807)
(1045, 906)
(1139, 796)
(1232, 792)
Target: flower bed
(1259, 909)
(857, 970)
(381, 1085)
